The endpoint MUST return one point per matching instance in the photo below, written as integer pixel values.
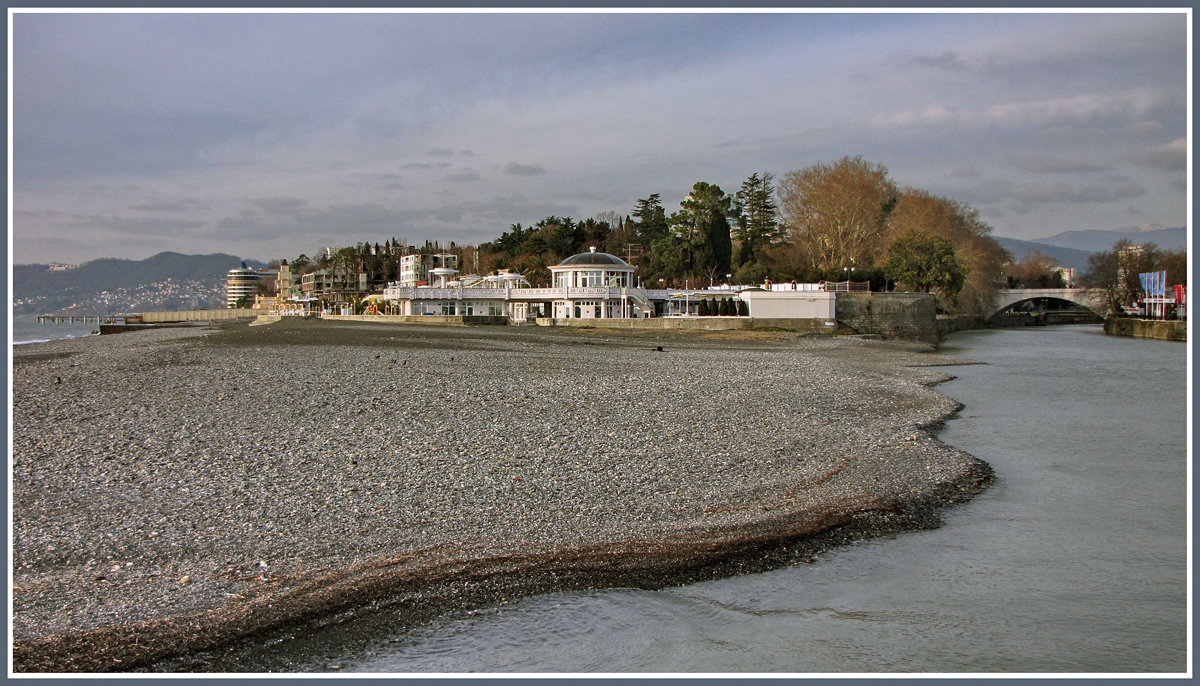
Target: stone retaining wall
(948, 324)
(911, 316)
(1158, 329)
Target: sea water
(27, 329)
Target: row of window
(591, 279)
(455, 308)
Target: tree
(1175, 264)
(750, 273)
(703, 225)
(1035, 270)
(1114, 273)
(651, 219)
(981, 256)
(925, 263)
(838, 211)
(562, 235)
(668, 259)
(756, 213)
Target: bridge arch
(1007, 299)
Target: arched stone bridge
(1093, 300)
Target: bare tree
(838, 211)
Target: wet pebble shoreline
(207, 473)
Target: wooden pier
(80, 318)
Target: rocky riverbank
(174, 490)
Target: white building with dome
(597, 285)
(590, 285)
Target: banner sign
(1154, 283)
(1181, 295)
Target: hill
(1095, 240)
(1067, 257)
(166, 281)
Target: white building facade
(242, 282)
(590, 285)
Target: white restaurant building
(590, 285)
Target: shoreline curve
(868, 485)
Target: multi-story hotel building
(242, 282)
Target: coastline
(251, 480)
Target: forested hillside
(108, 286)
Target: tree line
(845, 220)
(840, 221)
(1115, 272)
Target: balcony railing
(533, 294)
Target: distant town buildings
(416, 269)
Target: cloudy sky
(270, 135)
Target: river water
(1075, 561)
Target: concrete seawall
(174, 316)
(1157, 329)
(699, 324)
(432, 319)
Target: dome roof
(593, 257)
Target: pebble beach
(178, 490)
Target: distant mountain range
(166, 281)
(1067, 257)
(1094, 240)
(1072, 248)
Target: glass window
(589, 279)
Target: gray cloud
(524, 169)
(1048, 165)
(467, 175)
(1169, 157)
(280, 206)
(946, 60)
(425, 165)
(251, 132)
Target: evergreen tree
(757, 223)
(702, 224)
(651, 219)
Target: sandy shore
(179, 489)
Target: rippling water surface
(1074, 561)
(26, 329)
